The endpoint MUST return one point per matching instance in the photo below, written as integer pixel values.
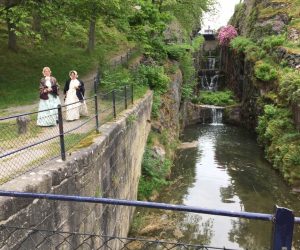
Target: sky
(224, 10)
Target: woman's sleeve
(82, 89)
(66, 87)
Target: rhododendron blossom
(226, 33)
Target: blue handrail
(283, 219)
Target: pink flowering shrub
(226, 33)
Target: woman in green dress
(49, 100)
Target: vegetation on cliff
(270, 42)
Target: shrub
(188, 72)
(177, 51)
(273, 124)
(219, 98)
(154, 77)
(114, 78)
(154, 171)
(276, 132)
(289, 87)
(264, 71)
(197, 42)
(226, 34)
(269, 42)
(240, 43)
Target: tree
(6, 8)
(92, 10)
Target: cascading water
(217, 116)
(209, 75)
(211, 61)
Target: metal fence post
(95, 85)
(96, 113)
(131, 93)
(61, 134)
(125, 96)
(282, 229)
(114, 103)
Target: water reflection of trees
(254, 182)
(196, 230)
(182, 176)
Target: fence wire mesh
(24, 145)
(47, 239)
(54, 224)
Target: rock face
(258, 18)
(239, 78)
(169, 114)
(292, 59)
(110, 167)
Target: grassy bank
(20, 72)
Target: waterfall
(213, 84)
(211, 62)
(217, 116)
(209, 82)
(209, 76)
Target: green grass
(9, 133)
(21, 72)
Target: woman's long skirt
(48, 115)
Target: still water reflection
(227, 171)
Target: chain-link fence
(24, 145)
(47, 239)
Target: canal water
(226, 171)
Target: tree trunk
(12, 37)
(37, 20)
(91, 42)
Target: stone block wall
(109, 167)
(194, 114)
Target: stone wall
(109, 167)
(194, 114)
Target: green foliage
(241, 43)
(156, 105)
(177, 51)
(154, 77)
(255, 53)
(186, 65)
(276, 132)
(273, 123)
(245, 45)
(265, 71)
(197, 42)
(289, 87)
(188, 12)
(238, 15)
(154, 171)
(147, 26)
(269, 42)
(218, 98)
(116, 77)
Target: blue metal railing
(283, 219)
